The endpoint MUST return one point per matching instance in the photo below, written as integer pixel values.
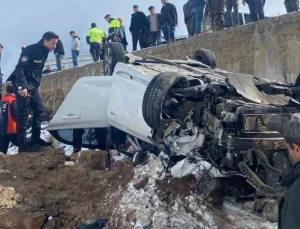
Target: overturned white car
(199, 119)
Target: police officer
(95, 38)
(27, 79)
(114, 29)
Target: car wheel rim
(108, 62)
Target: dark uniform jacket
(289, 207)
(169, 14)
(28, 72)
(138, 22)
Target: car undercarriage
(218, 124)
(200, 120)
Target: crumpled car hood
(245, 86)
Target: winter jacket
(59, 48)
(8, 118)
(289, 206)
(169, 14)
(138, 22)
(75, 43)
(195, 3)
(158, 22)
(28, 72)
(114, 28)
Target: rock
(53, 211)
(7, 195)
(249, 206)
(37, 222)
(28, 175)
(22, 220)
(52, 224)
(34, 202)
(19, 198)
(142, 183)
(270, 211)
(4, 172)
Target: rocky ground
(42, 191)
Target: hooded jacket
(289, 206)
(75, 43)
(138, 22)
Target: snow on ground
(146, 210)
(244, 219)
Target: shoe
(40, 142)
(29, 148)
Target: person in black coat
(137, 27)
(59, 54)
(289, 206)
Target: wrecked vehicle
(199, 119)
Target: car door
(125, 104)
(85, 107)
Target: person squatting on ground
(113, 29)
(123, 34)
(59, 54)
(291, 5)
(187, 16)
(138, 27)
(197, 9)
(289, 210)
(256, 8)
(169, 20)
(75, 46)
(233, 18)
(27, 80)
(215, 10)
(95, 38)
(154, 26)
(8, 119)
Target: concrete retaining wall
(268, 49)
(55, 87)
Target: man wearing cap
(95, 38)
(138, 27)
(26, 80)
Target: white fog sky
(24, 22)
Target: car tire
(205, 56)
(113, 53)
(155, 95)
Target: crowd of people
(146, 30)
